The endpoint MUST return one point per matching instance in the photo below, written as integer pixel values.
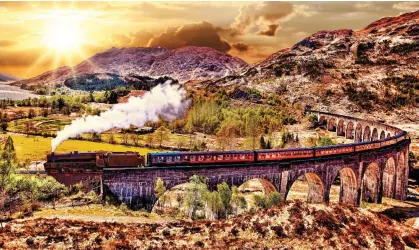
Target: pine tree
(262, 143)
(159, 191)
(225, 194)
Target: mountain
(7, 78)
(376, 67)
(182, 64)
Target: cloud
(121, 40)
(262, 17)
(198, 34)
(406, 6)
(240, 46)
(141, 38)
(138, 39)
(270, 31)
(7, 43)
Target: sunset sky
(36, 37)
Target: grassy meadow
(37, 147)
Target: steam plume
(165, 101)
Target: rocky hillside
(7, 78)
(291, 225)
(353, 70)
(182, 64)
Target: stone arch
(358, 133)
(259, 184)
(322, 120)
(350, 130)
(340, 129)
(315, 188)
(388, 135)
(389, 177)
(331, 126)
(371, 183)
(367, 134)
(374, 135)
(401, 180)
(382, 135)
(348, 188)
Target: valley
(200, 100)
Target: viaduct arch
(367, 175)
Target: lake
(13, 92)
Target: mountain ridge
(7, 78)
(182, 64)
(333, 68)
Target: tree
(325, 141)
(214, 204)
(274, 198)
(28, 127)
(125, 138)
(227, 135)
(31, 113)
(195, 192)
(262, 143)
(237, 202)
(225, 194)
(65, 111)
(111, 139)
(135, 139)
(150, 139)
(45, 112)
(4, 126)
(91, 97)
(7, 161)
(60, 103)
(253, 129)
(159, 190)
(162, 134)
(260, 200)
(268, 145)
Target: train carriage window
(235, 157)
(200, 158)
(185, 158)
(169, 159)
(177, 158)
(242, 157)
(160, 158)
(227, 157)
(193, 158)
(220, 157)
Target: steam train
(95, 162)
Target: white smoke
(166, 101)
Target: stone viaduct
(366, 175)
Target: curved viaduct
(367, 175)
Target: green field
(36, 147)
(43, 124)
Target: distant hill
(182, 64)
(7, 78)
(373, 69)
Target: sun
(63, 36)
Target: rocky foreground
(291, 225)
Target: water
(15, 93)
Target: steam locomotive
(76, 162)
